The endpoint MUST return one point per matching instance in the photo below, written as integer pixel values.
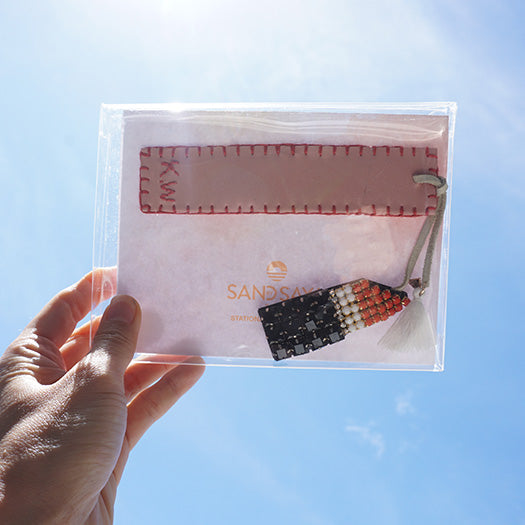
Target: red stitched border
(146, 152)
(168, 191)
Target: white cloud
(404, 404)
(368, 435)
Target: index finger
(59, 317)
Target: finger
(116, 339)
(139, 376)
(79, 344)
(156, 400)
(122, 460)
(59, 317)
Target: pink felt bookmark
(287, 178)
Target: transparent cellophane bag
(211, 212)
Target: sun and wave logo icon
(276, 271)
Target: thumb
(116, 338)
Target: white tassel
(412, 330)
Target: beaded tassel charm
(309, 322)
(323, 317)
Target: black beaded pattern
(300, 325)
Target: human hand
(71, 411)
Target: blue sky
(291, 446)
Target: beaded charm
(309, 322)
(323, 317)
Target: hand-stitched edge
(168, 152)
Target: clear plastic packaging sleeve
(211, 213)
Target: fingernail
(122, 308)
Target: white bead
(354, 308)
(349, 321)
(360, 324)
(356, 317)
(352, 328)
(350, 296)
(343, 301)
(339, 292)
(347, 289)
(346, 310)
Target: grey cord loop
(431, 225)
